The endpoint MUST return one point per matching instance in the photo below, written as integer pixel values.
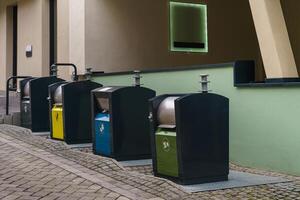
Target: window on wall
(188, 27)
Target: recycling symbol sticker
(102, 129)
(166, 145)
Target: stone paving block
(157, 198)
(11, 197)
(5, 193)
(51, 196)
(14, 189)
(60, 187)
(100, 196)
(122, 198)
(95, 187)
(113, 195)
(28, 198)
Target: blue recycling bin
(120, 122)
(102, 144)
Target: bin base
(125, 158)
(193, 181)
(70, 142)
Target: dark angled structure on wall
(190, 137)
(120, 121)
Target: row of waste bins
(186, 135)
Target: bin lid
(103, 103)
(58, 95)
(27, 90)
(166, 113)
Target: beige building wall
(33, 29)
(32, 19)
(3, 39)
(127, 35)
(63, 31)
(77, 48)
(123, 35)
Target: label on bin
(166, 145)
(103, 118)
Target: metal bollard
(137, 78)
(204, 83)
(88, 73)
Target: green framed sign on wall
(188, 27)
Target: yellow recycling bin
(57, 122)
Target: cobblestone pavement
(33, 167)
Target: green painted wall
(264, 122)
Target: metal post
(54, 69)
(7, 97)
(137, 78)
(204, 83)
(88, 73)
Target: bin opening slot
(103, 104)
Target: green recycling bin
(190, 137)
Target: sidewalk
(34, 167)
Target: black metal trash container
(190, 137)
(70, 111)
(34, 103)
(120, 122)
(25, 104)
